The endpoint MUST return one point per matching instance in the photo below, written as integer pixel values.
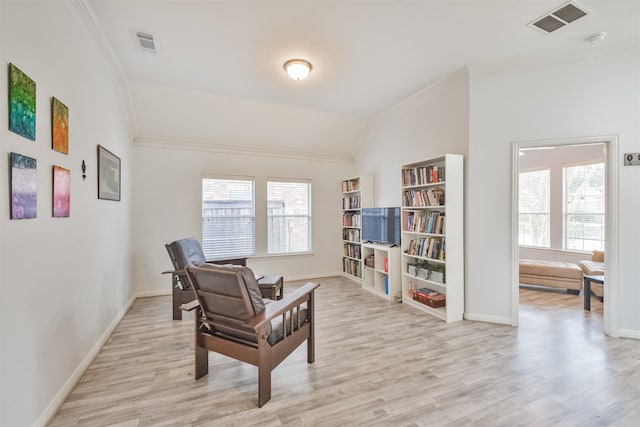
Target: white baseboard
(156, 293)
(629, 333)
(310, 276)
(488, 318)
(57, 401)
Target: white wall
(64, 280)
(590, 98)
(433, 122)
(168, 206)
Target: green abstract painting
(22, 103)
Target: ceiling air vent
(560, 17)
(146, 41)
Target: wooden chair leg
(264, 385)
(200, 351)
(177, 301)
(264, 373)
(311, 347)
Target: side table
(587, 288)
(271, 287)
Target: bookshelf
(432, 236)
(381, 270)
(356, 193)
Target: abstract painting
(23, 187)
(59, 126)
(22, 103)
(61, 192)
(108, 175)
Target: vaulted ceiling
(217, 78)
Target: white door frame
(611, 223)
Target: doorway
(558, 239)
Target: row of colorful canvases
(22, 120)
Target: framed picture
(24, 197)
(22, 103)
(59, 126)
(61, 192)
(108, 175)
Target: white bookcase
(381, 270)
(357, 193)
(432, 235)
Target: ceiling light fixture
(298, 69)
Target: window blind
(288, 216)
(228, 218)
(534, 208)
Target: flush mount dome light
(298, 69)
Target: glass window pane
(584, 207)
(534, 208)
(228, 218)
(289, 217)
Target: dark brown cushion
(277, 331)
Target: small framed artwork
(22, 103)
(61, 192)
(108, 175)
(59, 126)
(24, 178)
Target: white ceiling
(367, 56)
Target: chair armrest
(276, 308)
(174, 272)
(190, 306)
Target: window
(534, 208)
(228, 218)
(584, 207)
(289, 216)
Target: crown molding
(531, 62)
(244, 150)
(83, 11)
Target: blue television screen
(381, 225)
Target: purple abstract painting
(23, 187)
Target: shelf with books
(432, 236)
(356, 193)
(381, 272)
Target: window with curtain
(584, 207)
(534, 208)
(289, 216)
(228, 218)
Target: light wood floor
(377, 363)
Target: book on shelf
(425, 222)
(352, 202)
(351, 235)
(352, 267)
(430, 294)
(351, 250)
(423, 197)
(422, 175)
(429, 247)
(351, 219)
(350, 185)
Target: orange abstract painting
(59, 126)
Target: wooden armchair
(185, 253)
(232, 319)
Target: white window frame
(250, 251)
(308, 215)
